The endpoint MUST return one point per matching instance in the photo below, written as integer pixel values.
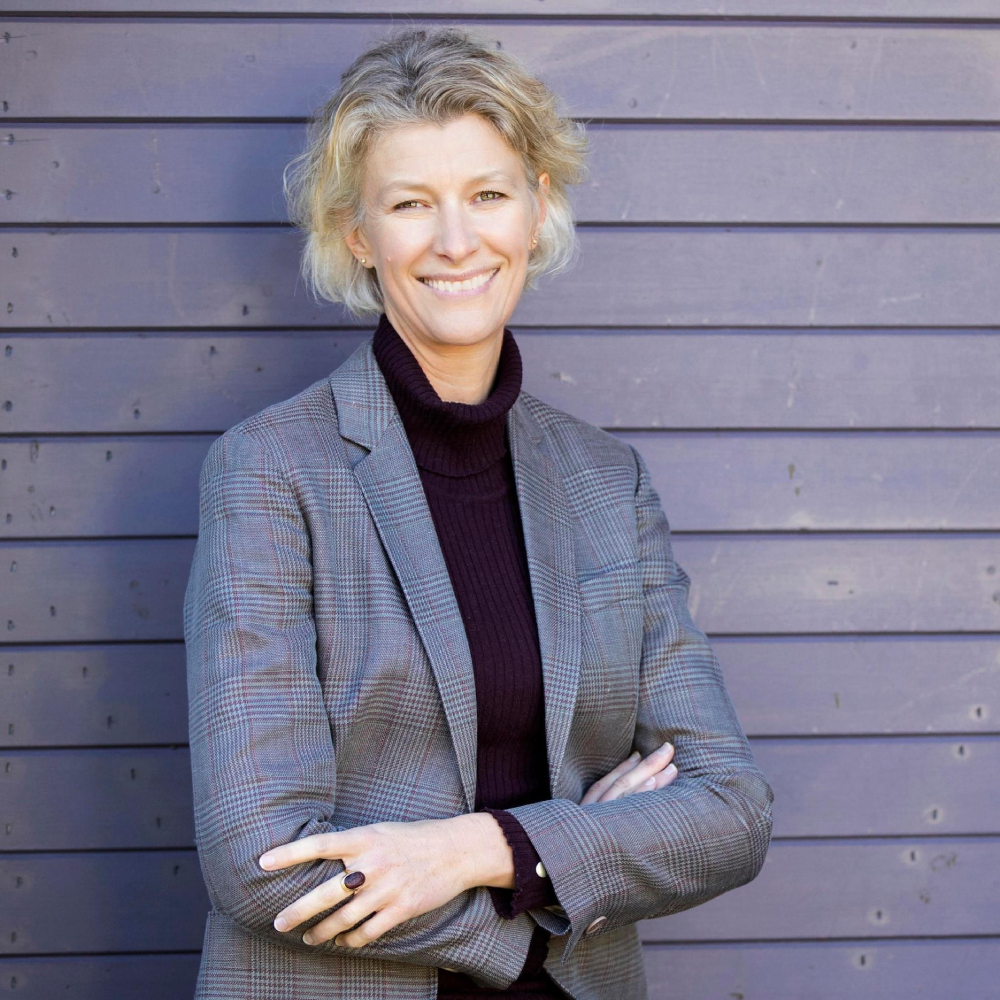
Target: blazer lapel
(549, 539)
(390, 482)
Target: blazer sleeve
(262, 757)
(708, 831)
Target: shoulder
(288, 433)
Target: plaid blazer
(330, 685)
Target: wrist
(488, 858)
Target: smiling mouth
(457, 289)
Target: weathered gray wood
(852, 888)
(86, 695)
(740, 584)
(103, 799)
(152, 977)
(117, 68)
(873, 583)
(248, 277)
(120, 901)
(135, 693)
(93, 486)
(849, 970)
(855, 787)
(686, 379)
(936, 887)
(703, 173)
(141, 798)
(901, 10)
(799, 685)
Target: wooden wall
(787, 300)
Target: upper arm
(263, 762)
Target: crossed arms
(264, 768)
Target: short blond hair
(417, 76)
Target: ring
(350, 881)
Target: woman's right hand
(633, 775)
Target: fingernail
(281, 924)
(633, 755)
(307, 937)
(665, 748)
(669, 768)
(337, 940)
(267, 861)
(648, 782)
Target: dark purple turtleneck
(461, 451)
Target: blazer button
(595, 925)
(540, 870)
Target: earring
(535, 240)
(363, 259)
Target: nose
(456, 236)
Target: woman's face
(450, 203)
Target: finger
(660, 780)
(594, 792)
(346, 917)
(372, 929)
(628, 782)
(319, 845)
(330, 893)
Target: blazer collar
(391, 485)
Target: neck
(447, 436)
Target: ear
(358, 245)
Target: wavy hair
(418, 76)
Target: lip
(465, 292)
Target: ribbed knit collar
(453, 439)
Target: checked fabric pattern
(330, 685)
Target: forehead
(464, 151)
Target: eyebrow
(418, 186)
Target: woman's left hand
(410, 868)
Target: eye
(499, 195)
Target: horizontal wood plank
(127, 174)
(248, 277)
(814, 583)
(221, 68)
(138, 485)
(141, 798)
(934, 888)
(152, 977)
(739, 584)
(136, 694)
(835, 970)
(121, 901)
(833, 889)
(828, 685)
(660, 379)
(93, 695)
(901, 10)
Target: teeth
(458, 286)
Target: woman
(439, 651)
